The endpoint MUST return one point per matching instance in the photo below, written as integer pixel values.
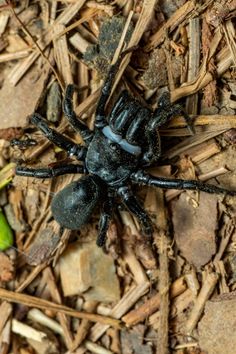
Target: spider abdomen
(74, 204)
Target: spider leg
(153, 152)
(134, 134)
(125, 110)
(75, 122)
(100, 120)
(168, 183)
(58, 139)
(105, 221)
(133, 205)
(49, 172)
(119, 105)
(166, 110)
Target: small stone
(86, 270)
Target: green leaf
(6, 234)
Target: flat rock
(86, 270)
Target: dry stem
(205, 293)
(33, 301)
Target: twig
(122, 38)
(33, 301)
(134, 265)
(14, 56)
(186, 345)
(153, 304)
(192, 281)
(50, 281)
(5, 310)
(162, 242)
(171, 24)
(84, 327)
(40, 317)
(228, 232)
(163, 285)
(5, 338)
(62, 57)
(79, 42)
(27, 331)
(3, 22)
(128, 300)
(205, 120)
(95, 348)
(194, 60)
(205, 293)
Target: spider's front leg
(58, 139)
(75, 122)
(164, 112)
(167, 110)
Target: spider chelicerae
(114, 156)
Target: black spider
(114, 156)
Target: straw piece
(128, 300)
(33, 301)
(151, 305)
(205, 293)
(61, 55)
(171, 24)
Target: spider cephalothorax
(115, 155)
